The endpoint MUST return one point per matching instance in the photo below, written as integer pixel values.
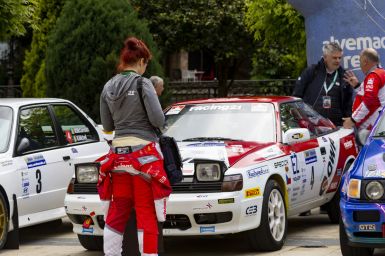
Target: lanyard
(327, 89)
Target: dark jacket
(310, 85)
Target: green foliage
(15, 15)
(280, 30)
(83, 49)
(33, 81)
(216, 26)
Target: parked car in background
(249, 163)
(362, 227)
(41, 141)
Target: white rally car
(41, 141)
(249, 163)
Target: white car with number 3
(41, 141)
(248, 164)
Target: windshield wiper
(209, 139)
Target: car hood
(373, 162)
(229, 152)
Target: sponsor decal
(206, 207)
(258, 107)
(296, 188)
(206, 144)
(6, 163)
(367, 227)
(131, 93)
(348, 144)
(210, 229)
(226, 201)
(312, 178)
(310, 156)
(258, 171)
(74, 150)
(297, 136)
(216, 107)
(25, 187)
(294, 163)
(288, 180)
(80, 130)
(270, 152)
(324, 139)
(175, 110)
(252, 192)
(88, 230)
(333, 185)
(324, 185)
(202, 196)
(35, 161)
(251, 210)
(369, 85)
(283, 163)
(332, 158)
(296, 178)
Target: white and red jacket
(370, 99)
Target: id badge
(326, 101)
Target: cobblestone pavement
(311, 235)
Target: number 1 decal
(38, 178)
(294, 163)
(312, 177)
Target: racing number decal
(312, 177)
(38, 178)
(294, 163)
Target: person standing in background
(158, 84)
(370, 97)
(322, 86)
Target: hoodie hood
(118, 87)
(230, 152)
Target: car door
(306, 156)
(43, 166)
(79, 135)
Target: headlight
(208, 172)
(354, 188)
(87, 173)
(374, 190)
(232, 183)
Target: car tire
(333, 207)
(4, 221)
(91, 243)
(272, 231)
(348, 250)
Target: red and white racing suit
(138, 180)
(370, 99)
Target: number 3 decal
(38, 178)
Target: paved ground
(312, 235)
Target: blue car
(362, 224)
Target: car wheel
(333, 207)
(3, 221)
(271, 233)
(92, 243)
(348, 250)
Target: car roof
(17, 102)
(260, 99)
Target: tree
(34, 81)
(15, 15)
(280, 29)
(215, 26)
(83, 49)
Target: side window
(300, 115)
(36, 125)
(75, 129)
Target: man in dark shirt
(322, 86)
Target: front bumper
(211, 214)
(364, 223)
(187, 214)
(79, 208)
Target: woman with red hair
(132, 174)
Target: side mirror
(295, 135)
(23, 145)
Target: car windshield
(222, 121)
(5, 127)
(380, 128)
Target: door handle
(66, 158)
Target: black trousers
(130, 238)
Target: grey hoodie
(122, 111)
